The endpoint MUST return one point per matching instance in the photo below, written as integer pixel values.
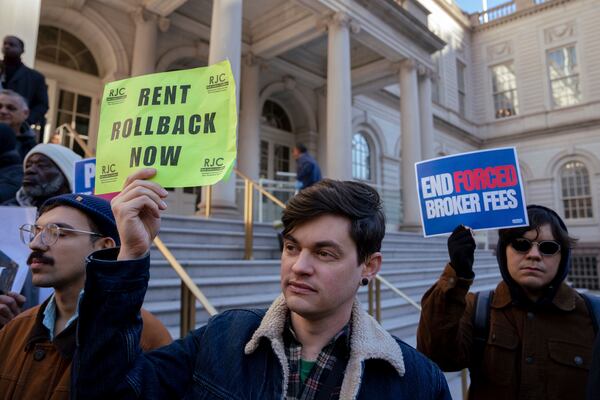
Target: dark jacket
(32, 86)
(33, 367)
(539, 352)
(593, 389)
(11, 175)
(237, 355)
(307, 170)
(26, 141)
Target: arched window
(576, 193)
(61, 48)
(274, 115)
(361, 158)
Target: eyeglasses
(49, 233)
(545, 247)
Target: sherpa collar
(368, 341)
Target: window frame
(461, 93)
(370, 155)
(578, 58)
(514, 90)
(590, 195)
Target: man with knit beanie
(11, 170)
(48, 172)
(37, 346)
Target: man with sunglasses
(539, 337)
(37, 346)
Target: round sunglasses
(545, 247)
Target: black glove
(461, 248)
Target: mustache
(40, 257)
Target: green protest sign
(183, 123)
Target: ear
(372, 265)
(104, 243)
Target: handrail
(75, 136)
(261, 189)
(185, 277)
(188, 288)
(398, 292)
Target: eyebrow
(318, 245)
(60, 225)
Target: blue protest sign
(85, 176)
(480, 189)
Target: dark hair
(539, 216)
(301, 148)
(356, 201)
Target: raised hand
(137, 212)
(10, 306)
(461, 248)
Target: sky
(471, 6)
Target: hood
(517, 293)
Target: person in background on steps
(537, 343)
(307, 170)
(314, 342)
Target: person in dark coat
(307, 170)
(540, 330)
(26, 81)
(11, 169)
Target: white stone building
(370, 86)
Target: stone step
(213, 251)
(206, 236)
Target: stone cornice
(534, 9)
(544, 132)
(455, 12)
(401, 20)
(456, 131)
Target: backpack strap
(593, 305)
(481, 328)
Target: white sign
(10, 242)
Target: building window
(435, 80)
(61, 48)
(74, 109)
(361, 158)
(504, 91)
(584, 272)
(576, 193)
(281, 157)
(563, 71)
(275, 116)
(460, 79)
(264, 159)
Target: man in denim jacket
(314, 342)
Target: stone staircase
(211, 250)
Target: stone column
(322, 130)
(426, 113)
(249, 126)
(226, 43)
(144, 45)
(410, 142)
(339, 99)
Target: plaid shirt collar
(334, 355)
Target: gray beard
(46, 189)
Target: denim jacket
(238, 354)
